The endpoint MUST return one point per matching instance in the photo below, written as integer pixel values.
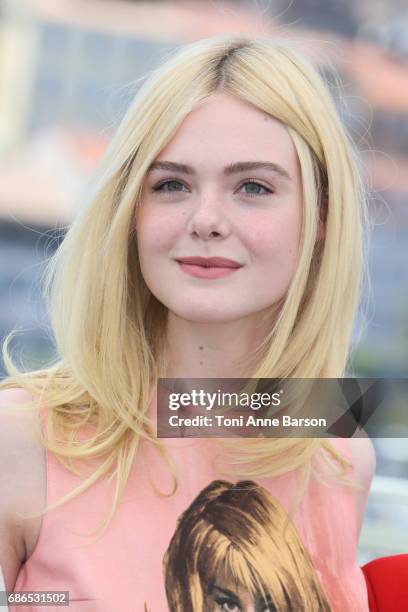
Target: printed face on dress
(226, 595)
(227, 185)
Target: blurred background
(68, 70)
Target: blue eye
(256, 184)
(160, 187)
(173, 185)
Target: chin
(210, 314)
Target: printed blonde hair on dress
(242, 534)
(109, 328)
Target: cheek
(276, 241)
(155, 232)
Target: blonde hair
(240, 531)
(110, 330)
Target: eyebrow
(240, 166)
(260, 600)
(230, 594)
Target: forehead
(223, 126)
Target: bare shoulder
(364, 464)
(22, 480)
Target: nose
(208, 219)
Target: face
(227, 595)
(207, 195)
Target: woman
(231, 150)
(233, 550)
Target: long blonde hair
(110, 330)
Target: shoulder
(364, 464)
(22, 479)
(364, 459)
(19, 429)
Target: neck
(214, 350)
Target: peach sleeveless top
(123, 568)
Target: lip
(208, 267)
(210, 262)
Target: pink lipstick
(208, 267)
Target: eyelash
(220, 601)
(158, 188)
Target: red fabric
(387, 583)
